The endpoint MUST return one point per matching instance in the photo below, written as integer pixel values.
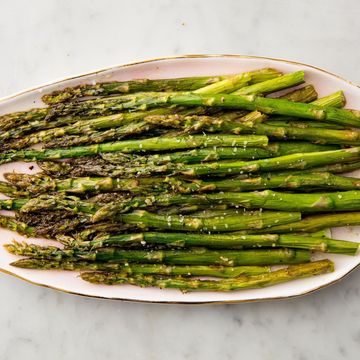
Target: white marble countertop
(45, 40)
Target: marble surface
(45, 40)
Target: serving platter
(172, 67)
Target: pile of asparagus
(199, 183)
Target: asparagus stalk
(224, 241)
(108, 163)
(13, 204)
(227, 85)
(276, 84)
(77, 126)
(322, 244)
(318, 222)
(13, 120)
(91, 134)
(266, 199)
(37, 184)
(282, 121)
(144, 269)
(228, 123)
(10, 190)
(274, 180)
(248, 124)
(40, 183)
(53, 137)
(299, 161)
(129, 146)
(141, 218)
(339, 168)
(336, 99)
(238, 221)
(179, 84)
(241, 221)
(197, 256)
(319, 135)
(11, 223)
(293, 161)
(226, 101)
(242, 282)
(328, 161)
(305, 94)
(218, 153)
(39, 119)
(50, 232)
(89, 127)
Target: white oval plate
(181, 66)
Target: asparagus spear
(51, 231)
(242, 282)
(336, 99)
(271, 85)
(10, 190)
(177, 84)
(192, 124)
(141, 218)
(319, 135)
(266, 199)
(218, 153)
(272, 181)
(197, 256)
(224, 241)
(294, 161)
(145, 269)
(37, 184)
(244, 102)
(55, 136)
(13, 204)
(90, 127)
(337, 168)
(322, 244)
(340, 168)
(15, 119)
(11, 223)
(227, 85)
(282, 121)
(78, 126)
(305, 94)
(318, 222)
(129, 146)
(328, 161)
(38, 119)
(242, 220)
(248, 124)
(240, 81)
(228, 123)
(108, 164)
